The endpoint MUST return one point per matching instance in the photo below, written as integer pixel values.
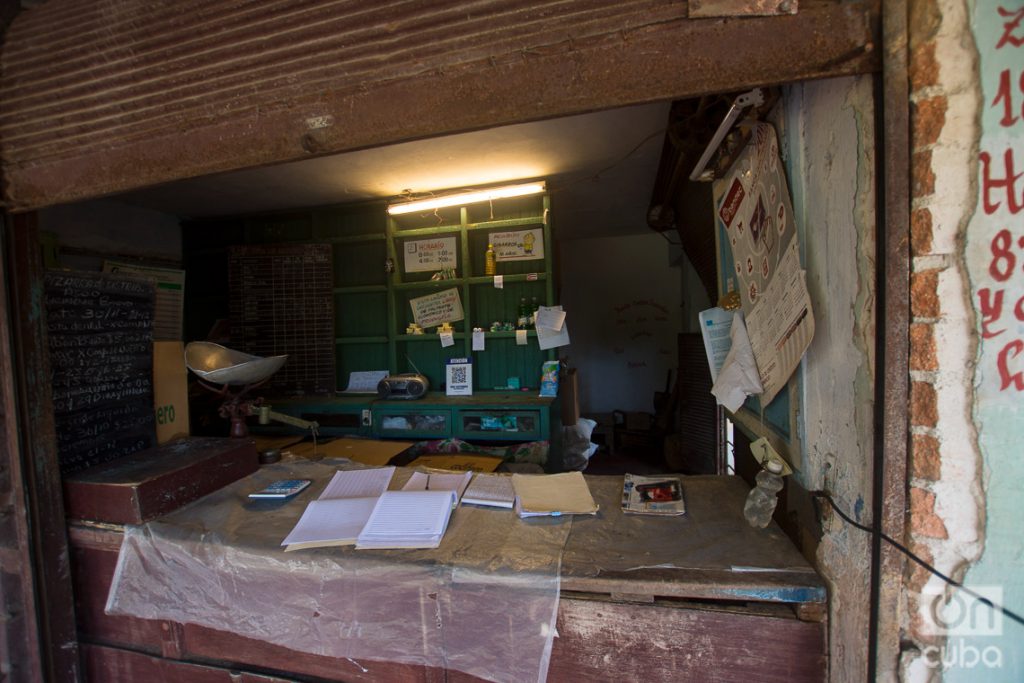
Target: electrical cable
(903, 549)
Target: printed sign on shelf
(518, 245)
(433, 309)
(424, 256)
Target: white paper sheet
(715, 324)
(549, 339)
(335, 521)
(447, 339)
(478, 341)
(738, 377)
(417, 482)
(407, 519)
(358, 483)
(521, 337)
(499, 281)
(551, 317)
(438, 481)
(364, 382)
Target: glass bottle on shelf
(523, 318)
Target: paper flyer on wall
(755, 215)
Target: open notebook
(356, 508)
(341, 511)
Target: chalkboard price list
(100, 329)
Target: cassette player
(407, 386)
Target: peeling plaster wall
(946, 521)
(992, 250)
(828, 141)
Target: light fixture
(461, 198)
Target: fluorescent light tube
(461, 198)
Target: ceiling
(600, 170)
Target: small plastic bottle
(533, 311)
(490, 265)
(523, 316)
(762, 498)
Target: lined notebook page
(358, 483)
(408, 519)
(331, 522)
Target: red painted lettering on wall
(1008, 183)
(1003, 259)
(991, 310)
(1010, 28)
(1004, 95)
(1003, 363)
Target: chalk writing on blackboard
(101, 358)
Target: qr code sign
(460, 377)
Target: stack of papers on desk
(408, 519)
(493, 490)
(552, 494)
(342, 510)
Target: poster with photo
(754, 215)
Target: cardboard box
(170, 391)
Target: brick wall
(944, 508)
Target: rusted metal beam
(893, 330)
(197, 113)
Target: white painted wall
(623, 301)
(828, 146)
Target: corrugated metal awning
(102, 96)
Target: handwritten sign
(101, 355)
(423, 256)
(434, 309)
(518, 245)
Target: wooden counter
(699, 597)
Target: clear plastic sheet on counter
(483, 603)
(712, 535)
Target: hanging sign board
(437, 253)
(518, 245)
(434, 309)
(755, 215)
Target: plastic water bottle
(762, 498)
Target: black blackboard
(100, 329)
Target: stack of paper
(408, 519)
(552, 494)
(494, 490)
(341, 511)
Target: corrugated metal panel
(122, 72)
(113, 94)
